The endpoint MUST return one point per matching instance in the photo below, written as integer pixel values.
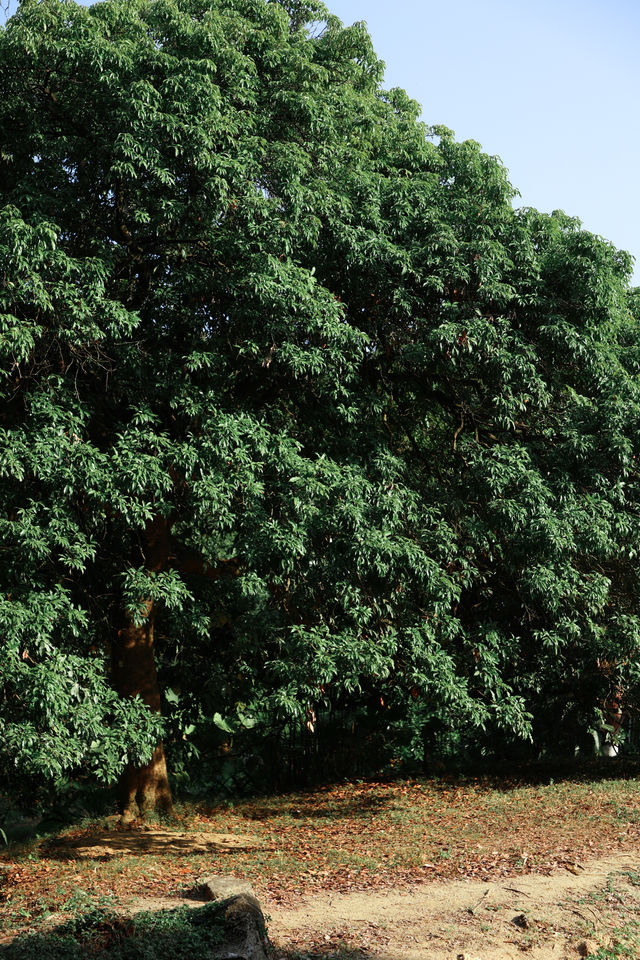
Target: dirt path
(568, 913)
(562, 915)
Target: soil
(137, 841)
(498, 920)
(555, 917)
(557, 913)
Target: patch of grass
(180, 934)
(632, 877)
(616, 917)
(625, 943)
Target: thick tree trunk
(142, 789)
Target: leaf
(222, 724)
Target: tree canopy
(295, 405)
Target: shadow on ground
(108, 843)
(361, 806)
(180, 934)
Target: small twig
(589, 920)
(473, 909)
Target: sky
(551, 87)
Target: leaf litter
(349, 838)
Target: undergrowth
(181, 934)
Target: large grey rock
(221, 888)
(245, 935)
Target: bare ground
(570, 912)
(564, 910)
(566, 914)
(117, 843)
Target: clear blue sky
(552, 87)
(549, 86)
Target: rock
(521, 921)
(221, 888)
(244, 930)
(245, 935)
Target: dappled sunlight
(111, 843)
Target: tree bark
(142, 790)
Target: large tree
(294, 405)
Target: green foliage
(248, 294)
(180, 933)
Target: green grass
(180, 934)
(618, 911)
